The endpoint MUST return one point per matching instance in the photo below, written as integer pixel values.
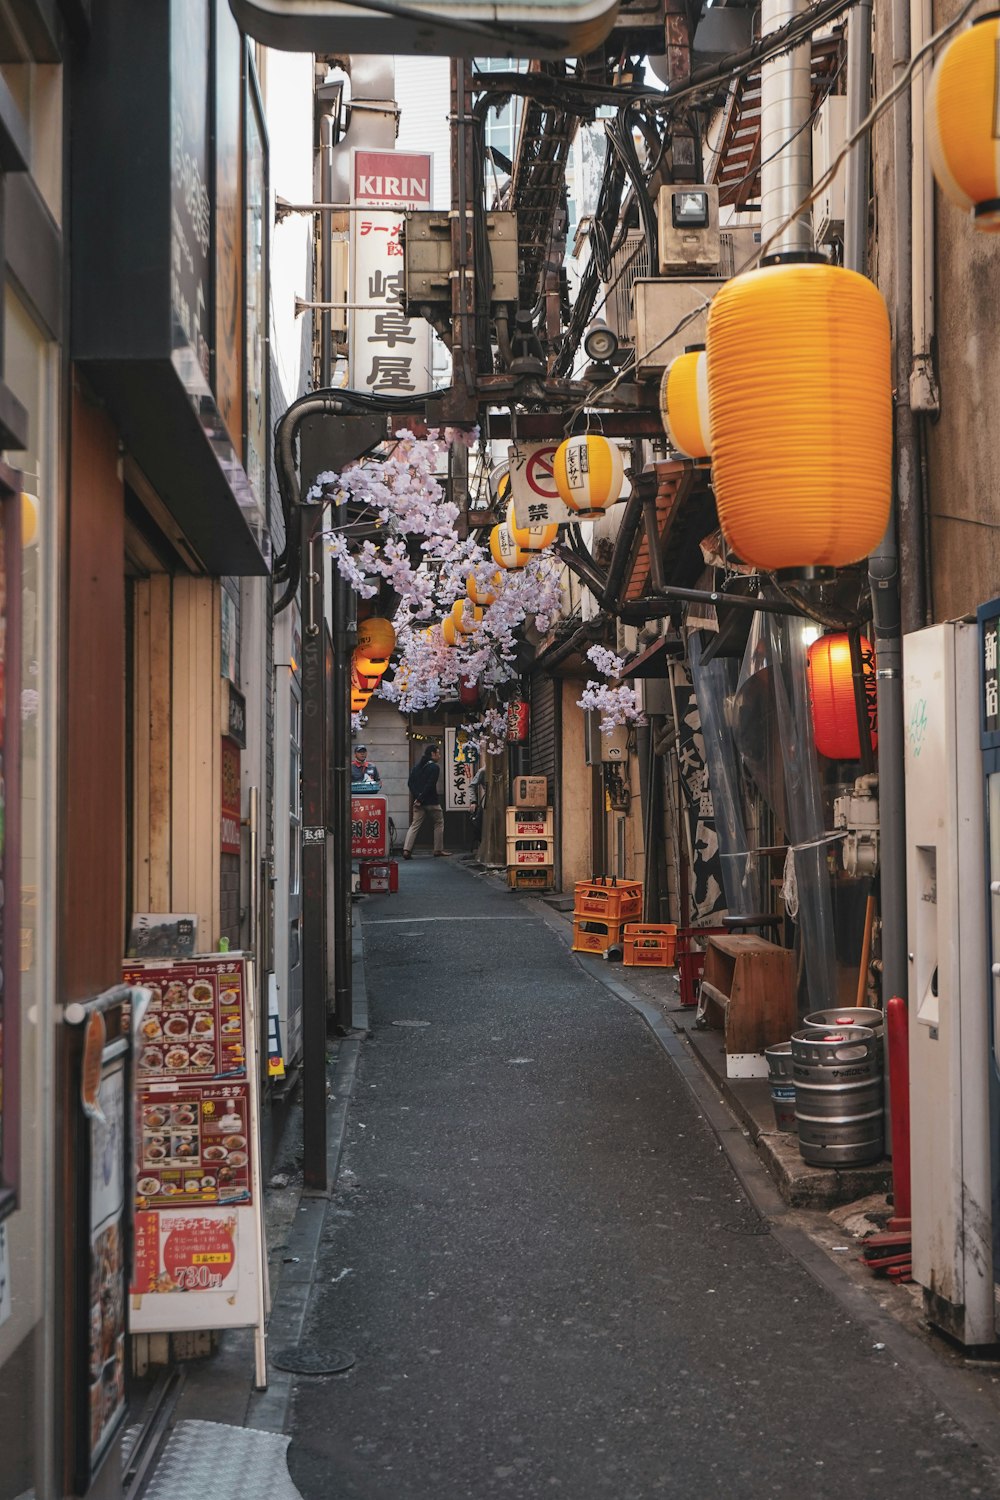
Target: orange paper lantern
(831, 695)
(962, 122)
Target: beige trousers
(436, 815)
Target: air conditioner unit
(829, 135)
(739, 247)
(688, 224)
(659, 307)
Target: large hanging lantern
(589, 473)
(480, 595)
(963, 122)
(504, 549)
(466, 617)
(800, 399)
(831, 695)
(531, 539)
(376, 641)
(684, 404)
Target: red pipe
(897, 1043)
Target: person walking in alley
(423, 785)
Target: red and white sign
(230, 829)
(184, 1252)
(369, 828)
(390, 179)
(536, 499)
(390, 351)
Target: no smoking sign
(536, 499)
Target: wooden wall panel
(93, 842)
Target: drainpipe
(924, 394)
(785, 146)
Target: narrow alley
(547, 1271)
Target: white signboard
(390, 352)
(461, 764)
(536, 499)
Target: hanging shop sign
(706, 893)
(198, 1248)
(990, 629)
(461, 764)
(236, 715)
(230, 824)
(390, 351)
(517, 722)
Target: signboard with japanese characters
(461, 764)
(990, 636)
(390, 351)
(198, 1258)
(533, 485)
(706, 893)
(369, 828)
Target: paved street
(549, 1275)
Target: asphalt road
(549, 1275)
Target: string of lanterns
(376, 643)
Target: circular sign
(539, 473)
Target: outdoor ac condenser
(948, 983)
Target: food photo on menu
(193, 1144)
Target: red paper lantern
(831, 694)
(468, 692)
(517, 722)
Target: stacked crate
(601, 908)
(530, 839)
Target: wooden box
(748, 989)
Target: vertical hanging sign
(390, 351)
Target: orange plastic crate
(520, 879)
(650, 945)
(593, 934)
(614, 902)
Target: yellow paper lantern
(376, 642)
(504, 549)
(963, 122)
(684, 404)
(358, 701)
(589, 473)
(448, 631)
(361, 676)
(800, 396)
(480, 595)
(530, 539)
(29, 519)
(466, 617)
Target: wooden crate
(614, 901)
(649, 945)
(748, 989)
(523, 823)
(594, 934)
(521, 879)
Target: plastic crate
(537, 852)
(520, 879)
(594, 935)
(523, 823)
(614, 900)
(691, 959)
(650, 945)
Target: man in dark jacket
(426, 801)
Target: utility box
(829, 135)
(427, 254)
(688, 224)
(658, 307)
(601, 749)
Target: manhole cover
(306, 1359)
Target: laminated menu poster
(198, 1242)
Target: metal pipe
(857, 166)
(924, 393)
(785, 146)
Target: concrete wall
(385, 735)
(574, 831)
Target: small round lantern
(800, 399)
(480, 595)
(831, 696)
(358, 701)
(963, 122)
(448, 632)
(466, 617)
(504, 549)
(684, 404)
(376, 642)
(588, 472)
(468, 692)
(531, 539)
(363, 682)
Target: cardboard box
(531, 791)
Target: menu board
(198, 1243)
(106, 1313)
(193, 1143)
(193, 1026)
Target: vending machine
(949, 1022)
(988, 622)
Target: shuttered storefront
(543, 731)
